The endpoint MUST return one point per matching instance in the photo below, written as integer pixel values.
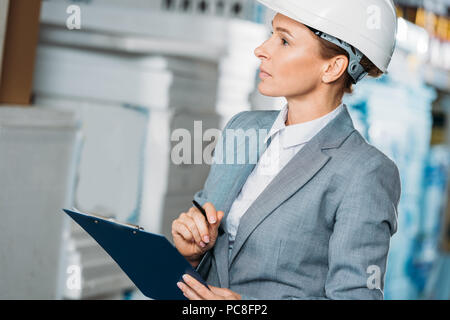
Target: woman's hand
(192, 235)
(194, 290)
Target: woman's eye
(283, 40)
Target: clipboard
(151, 262)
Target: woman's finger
(216, 290)
(188, 292)
(200, 221)
(182, 230)
(199, 289)
(211, 212)
(190, 224)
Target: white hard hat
(370, 26)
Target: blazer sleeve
(364, 223)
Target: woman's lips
(264, 75)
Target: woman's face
(291, 59)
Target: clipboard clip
(111, 219)
(129, 224)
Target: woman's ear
(334, 68)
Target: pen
(199, 207)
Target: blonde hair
(329, 50)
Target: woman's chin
(266, 90)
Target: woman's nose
(260, 52)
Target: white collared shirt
(286, 142)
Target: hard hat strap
(355, 69)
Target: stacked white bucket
(136, 71)
(38, 148)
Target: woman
(313, 216)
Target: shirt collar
(279, 123)
(299, 133)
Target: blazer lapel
(297, 172)
(239, 174)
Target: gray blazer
(322, 227)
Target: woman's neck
(307, 109)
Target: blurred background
(91, 92)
